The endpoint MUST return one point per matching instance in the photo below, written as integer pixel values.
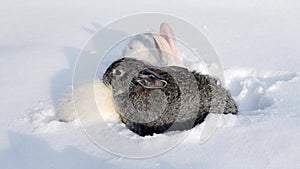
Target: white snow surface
(258, 45)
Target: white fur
(103, 98)
(142, 47)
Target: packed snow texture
(258, 45)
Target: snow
(258, 45)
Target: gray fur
(183, 103)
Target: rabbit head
(156, 48)
(120, 73)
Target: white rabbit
(156, 48)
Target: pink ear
(168, 34)
(163, 47)
(166, 45)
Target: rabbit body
(182, 103)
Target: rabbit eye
(117, 72)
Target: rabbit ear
(165, 41)
(150, 80)
(167, 33)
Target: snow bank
(263, 135)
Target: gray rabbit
(153, 99)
